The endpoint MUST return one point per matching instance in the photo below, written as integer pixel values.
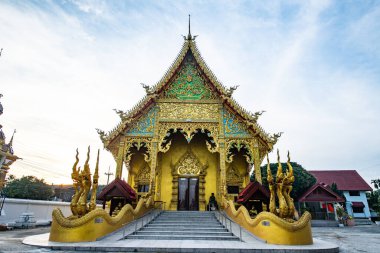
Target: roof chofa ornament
(189, 37)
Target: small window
(354, 193)
(357, 209)
(233, 189)
(143, 188)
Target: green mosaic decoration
(232, 126)
(188, 83)
(145, 125)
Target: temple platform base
(184, 246)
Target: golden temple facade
(188, 138)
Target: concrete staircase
(184, 225)
(362, 221)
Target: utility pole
(108, 174)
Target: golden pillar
(120, 160)
(223, 183)
(257, 162)
(153, 165)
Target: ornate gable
(188, 82)
(188, 79)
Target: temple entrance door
(188, 194)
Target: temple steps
(185, 226)
(181, 229)
(164, 232)
(171, 225)
(183, 237)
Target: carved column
(174, 201)
(221, 176)
(257, 161)
(120, 160)
(223, 186)
(153, 165)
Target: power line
(108, 174)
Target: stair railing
(224, 219)
(148, 217)
(2, 200)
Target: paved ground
(349, 239)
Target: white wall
(42, 209)
(361, 198)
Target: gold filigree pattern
(138, 143)
(143, 176)
(189, 165)
(188, 130)
(233, 176)
(212, 148)
(239, 144)
(193, 112)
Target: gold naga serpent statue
(82, 186)
(282, 188)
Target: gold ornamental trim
(191, 112)
(138, 143)
(188, 129)
(239, 144)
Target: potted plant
(350, 221)
(340, 213)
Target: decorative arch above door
(188, 166)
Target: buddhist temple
(188, 137)
(187, 145)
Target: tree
(335, 189)
(374, 197)
(376, 183)
(27, 187)
(303, 179)
(374, 200)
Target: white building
(352, 185)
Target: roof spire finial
(189, 35)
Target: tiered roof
(346, 180)
(154, 92)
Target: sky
(313, 66)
